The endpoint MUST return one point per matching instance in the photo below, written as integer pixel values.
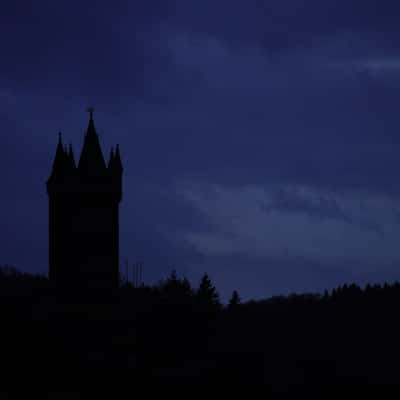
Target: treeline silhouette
(173, 332)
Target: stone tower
(84, 215)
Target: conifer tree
(234, 300)
(175, 289)
(207, 295)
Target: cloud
(282, 26)
(381, 65)
(320, 206)
(330, 230)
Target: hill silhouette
(173, 332)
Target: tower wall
(84, 222)
(84, 241)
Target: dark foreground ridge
(176, 334)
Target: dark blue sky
(260, 139)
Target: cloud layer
(260, 139)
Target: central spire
(91, 111)
(91, 161)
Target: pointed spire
(60, 151)
(60, 144)
(59, 163)
(116, 172)
(71, 157)
(91, 129)
(117, 160)
(91, 161)
(111, 159)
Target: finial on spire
(91, 111)
(59, 137)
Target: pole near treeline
(134, 274)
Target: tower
(84, 215)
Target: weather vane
(91, 111)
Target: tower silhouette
(84, 215)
